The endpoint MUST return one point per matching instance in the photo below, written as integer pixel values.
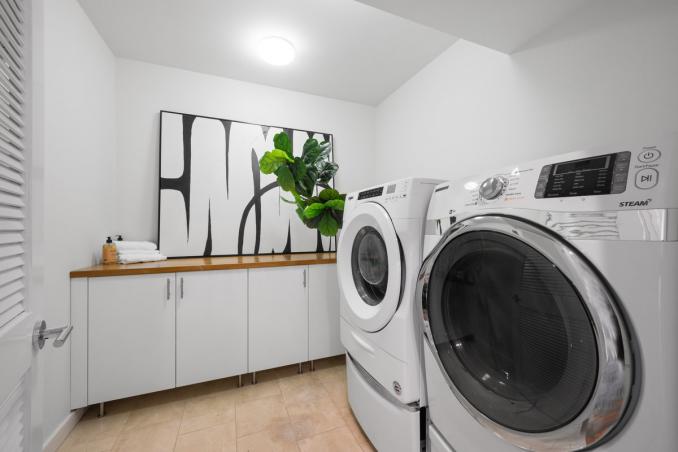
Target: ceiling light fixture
(276, 51)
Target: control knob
(492, 187)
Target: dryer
(378, 258)
(550, 305)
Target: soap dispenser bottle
(109, 253)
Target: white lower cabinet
(278, 316)
(323, 312)
(145, 333)
(130, 336)
(211, 325)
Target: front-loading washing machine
(550, 305)
(378, 258)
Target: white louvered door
(17, 313)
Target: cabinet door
(323, 312)
(211, 325)
(131, 336)
(278, 317)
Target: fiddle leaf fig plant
(307, 178)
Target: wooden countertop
(205, 263)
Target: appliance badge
(396, 388)
(643, 203)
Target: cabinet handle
(168, 288)
(181, 286)
(304, 277)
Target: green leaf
(311, 151)
(325, 149)
(282, 142)
(318, 154)
(328, 194)
(310, 144)
(327, 171)
(300, 214)
(328, 225)
(314, 210)
(285, 178)
(272, 160)
(338, 216)
(299, 169)
(288, 201)
(336, 204)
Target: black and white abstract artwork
(213, 199)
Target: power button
(649, 155)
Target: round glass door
(520, 326)
(512, 332)
(369, 267)
(369, 263)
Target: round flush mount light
(276, 51)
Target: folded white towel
(135, 246)
(124, 252)
(129, 258)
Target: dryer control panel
(403, 198)
(371, 193)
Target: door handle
(181, 286)
(304, 277)
(41, 334)
(168, 288)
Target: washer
(378, 259)
(550, 305)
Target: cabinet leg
(312, 366)
(240, 381)
(301, 368)
(102, 411)
(254, 378)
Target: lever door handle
(59, 341)
(41, 334)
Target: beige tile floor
(284, 411)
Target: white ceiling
(345, 49)
(499, 24)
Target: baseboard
(59, 435)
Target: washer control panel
(637, 175)
(600, 175)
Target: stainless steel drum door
(527, 334)
(369, 265)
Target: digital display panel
(599, 175)
(371, 193)
(583, 165)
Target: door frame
(34, 240)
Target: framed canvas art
(214, 201)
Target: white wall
(607, 75)
(79, 171)
(144, 89)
